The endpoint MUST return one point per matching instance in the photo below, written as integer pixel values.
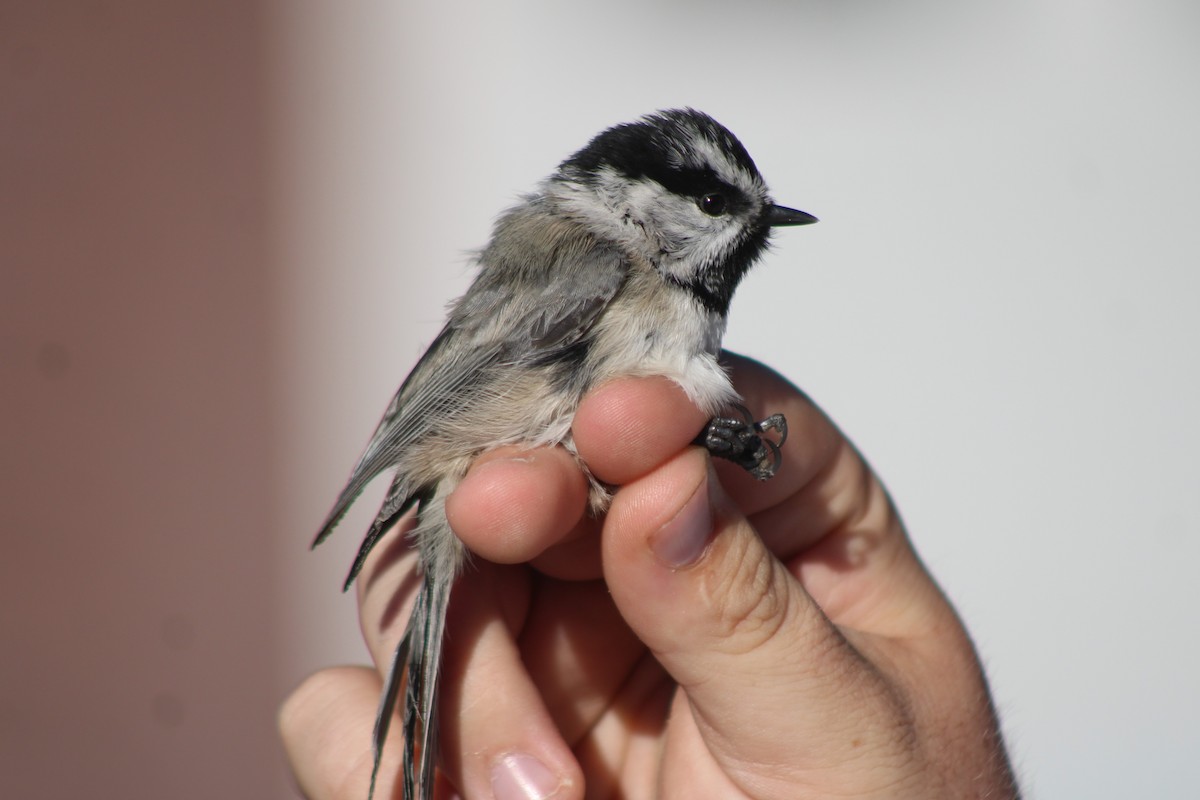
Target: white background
(228, 231)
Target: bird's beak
(778, 216)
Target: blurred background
(228, 229)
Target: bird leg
(738, 440)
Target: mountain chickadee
(623, 262)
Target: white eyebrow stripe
(704, 153)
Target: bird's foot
(739, 440)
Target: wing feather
(543, 284)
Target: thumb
(768, 678)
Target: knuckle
(750, 600)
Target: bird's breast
(657, 329)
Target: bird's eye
(713, 204)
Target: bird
(623, 262)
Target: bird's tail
(416, 664)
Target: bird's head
(679, 190)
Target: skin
(711, 637)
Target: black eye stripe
(686, 182)
(697, 184)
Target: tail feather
(367, 469)
(387, 705)
(398, 502)
(417, 664)
(358, 481)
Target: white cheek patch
(646, 197)
(645, 217)
(694, 240)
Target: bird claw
(739, 441)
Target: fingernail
(682, 540)
(517, 776)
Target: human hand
(712, 636)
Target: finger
(765, 672)
(626, 427)
(515, 503)
(579, 653)
(498, 738)
(495, 732)
(576, 557)
(326, 729)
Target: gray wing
(536, 296)
(438, 375)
